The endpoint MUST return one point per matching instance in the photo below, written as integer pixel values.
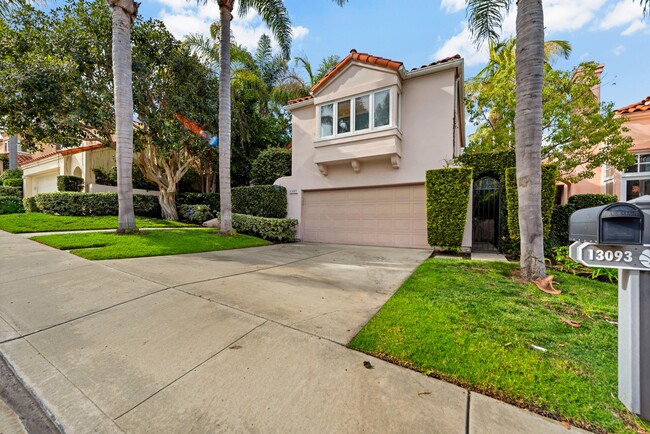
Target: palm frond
(485, 18)
(326, 65)
(306, 65)
(275, 15)
(556, 48)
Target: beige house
(635, 181)
(41, 171)
(362, 143)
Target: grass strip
(475, 324)
(38, 222)
(97, 245)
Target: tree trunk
(528, 135)
(13, 152)
(224, 117)
(167, 201)
(123, 88)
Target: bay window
(358, 114)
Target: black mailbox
(618, 223)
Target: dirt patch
(23, 403)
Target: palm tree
(326, 65)
(124, 13)
(485, 18)
(275, 15)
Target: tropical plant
(275, 14)
(325, 66)
(485, 18)
(580, 133)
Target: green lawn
(37, 222)
(473, 324)
(98, 245)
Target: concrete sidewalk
(241, 340)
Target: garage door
(46, 184)
(378, 216)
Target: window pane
(633, 189)
(644, 167)
(382, 108)
(343, 123)
(327, 120)
(362, 113)
(645, 158)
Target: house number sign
(628, 257)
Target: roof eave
(300, 104)
(456, 63)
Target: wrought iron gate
(486, 212)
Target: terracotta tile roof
(438, 62)
(359, 57)
(637, 107)
(304, 98)
(68, 151)
(366, 58)
(22, 159)
(40, 157)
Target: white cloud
(451, 6)
(634, 27)
(624, 13)
(462, 44)
(564, 16)
(184, 17)
(619, 50)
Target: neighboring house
(635, 181)
(362, 143)
(41, 171)
(23, 155)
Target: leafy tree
(271, 164)
(169, 80)
(275, 14)
(580, 133)
(485, 18)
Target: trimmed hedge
(271, 164)
(13, 182)
(560, 220)
(11, 173)
(69, 183)
(550, 174)
(29, 203)
(258, 200)
(270, 229)
(11, 191)
(195, 213)
(92, 204)
(11, 205)
(448, 192)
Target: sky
(417, 32)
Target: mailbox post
(618, 236)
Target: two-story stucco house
(362, 143)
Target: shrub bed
(69, 183)
(271, 164)
(209, 199)
(11, 205)
(13, 182)
(10, 191)
(195, 213)
(11, 173)
(29, 203)
(93, 204)
(259, 200)
(271, 229)
(560, 221)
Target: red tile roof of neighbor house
(365, 58)
(22, 159)
(636, 107)
(68, 151)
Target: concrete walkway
(245, 340)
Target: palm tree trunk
(13, 152)
(123, 88)
(528, 135)
(224, 118)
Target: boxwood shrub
(447, 201)
(13, 182)
(10, 191)
(11, 173)
(257, 200)
(11, 205)
(560, 221)
(195, 213)
(29, 203)
(271, 164)
(549, 178)
(271, 229)
(92, 204)
(69, 183)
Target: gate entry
(486, 212)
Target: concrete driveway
(246, 340)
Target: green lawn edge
(38, 222)
(101, 245)
(473, 324)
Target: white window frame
(392, 98)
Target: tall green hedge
(93, 204)
(448, 192)
(271, 164)
(560, 221)
(549, 178)
(10, 191)
(258, 200)
(69, 183)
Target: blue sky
(417, 32)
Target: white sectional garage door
(47, 183)
(377, 216)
